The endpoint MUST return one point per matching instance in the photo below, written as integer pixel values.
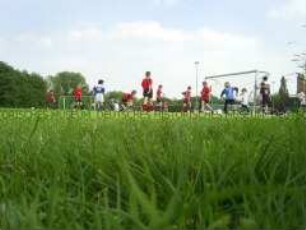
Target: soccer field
(85, 170)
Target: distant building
(301, 83)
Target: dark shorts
(186, 101)
(265, 100)
(159, 100)
(148, 94)
(78, 99)
(230, 101)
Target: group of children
(128, 99)
(229, 95)
(161, 105)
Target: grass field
(78, 171)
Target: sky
(118, 40)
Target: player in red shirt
(159, 98)
(51, 100)
(205, 97)
(78, 93)
(187, 99)
(147, 87)
(128, 100)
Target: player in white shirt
(302, 98)
(99, 91)
(244, 100)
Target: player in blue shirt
(229, 94)
(99, 91)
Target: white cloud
(33, 39)
(150, 31)
(123, 53)
(85, 35)
(290, 10)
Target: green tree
(20, 89)
(64, 83)
(36, 88)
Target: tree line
(21, 89)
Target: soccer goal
(244, 79)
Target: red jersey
(78, 92)
(127, 97)
(147, 83)
(205, 93)
(50, 97)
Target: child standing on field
(302, 98)
(51, 100)
(99, 91)
(159, 98)
(187, 99)
(265, 94)
(244, 100)
(78, 94)
(229, 93)
(147, 87)
(205, 97)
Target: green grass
(72, 171)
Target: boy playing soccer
(128, 100)
(147, 87)
(302, 98)
(51, 100)
(265, 94)
(78, 93)
(99, 91)
(205, 97)
(230, 95)
(187, 99)
(159, 98)
(244, 100)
